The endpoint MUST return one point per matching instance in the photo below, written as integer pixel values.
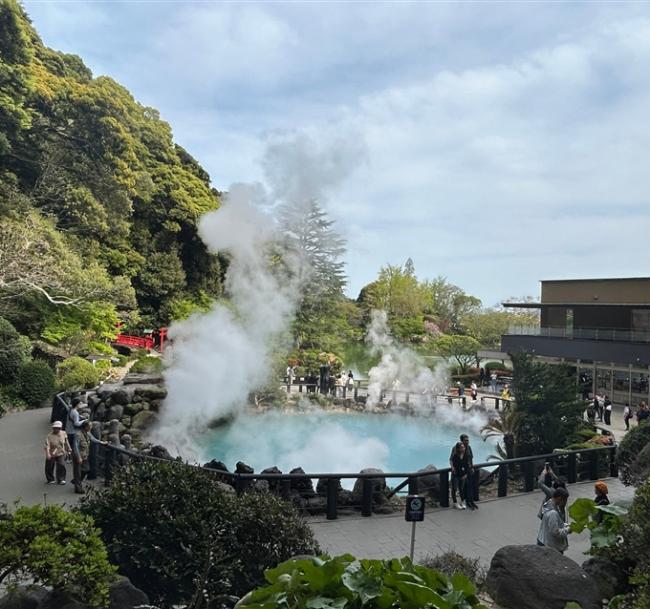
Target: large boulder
(133, 408)
(378, 486)
(609, 577)
(430, 484)
(142, 420)
(273, 484)
(121, 396)
(116, 412)
(24, 597)
(536, 577)
(304, 486)
(124, 595)
(151, 392)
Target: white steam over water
(400, 368)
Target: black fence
(493, 478)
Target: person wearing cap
(56, 448)
(553, 531)
(601, 490)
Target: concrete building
(600, 327)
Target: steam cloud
(399, 368)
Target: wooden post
(529, 478)
(413, 486)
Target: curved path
(498, 522)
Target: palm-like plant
(505, 426)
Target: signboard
(414, 509)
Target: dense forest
(98, 227)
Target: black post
(593, 466)
(92, 461)
(300, 387)
(444, 489)
(613, 465)
(474, 480)
(366, 498)
(356, 391)
(463, 401)
(109, 457)
(413, 485)
(503, 481)
(344, 391)
(529, 477)
(496, 403)
(572, 469)
(332, 496)
(239, 484)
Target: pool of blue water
(322, 442)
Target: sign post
(414, 513)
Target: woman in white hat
(56, 448)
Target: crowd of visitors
(72, 443)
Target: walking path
(497, 523)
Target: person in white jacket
(553, 531)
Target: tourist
(493, 382)
(56, 449)
(598, 406)
(350, 380)
(474, 391)
(591, 413)
(601, 490)
(506, 396)
(553, 530)
(627, 415)
(290, 376)
(461, 389)
(481, 376)
(607, 410)
(643, 413)
(548, 481)
(72, 427)
(84, 439)
(469, 459)
(339, 386)
(459, 472)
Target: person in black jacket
(459, 472)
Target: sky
(493, 143)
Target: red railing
(139, 342)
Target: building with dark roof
(600, 327)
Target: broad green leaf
(322, 602)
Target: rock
(135, 378)
(321, 486)
(113, 426)
(155, 405)
(609, 577)
(24, 597)
(160, 452)
(535, 577)
(121, 397)
(304, 486)
(225, 488)
(114, 439)
(378, 486)
(214, 464)
(60, 600)
(142, 420)
(242, 468)
(429, 485)
(126, 421)
(151, 392)
(100, 412)
(133, 408)
(345, 497)
(316, 505)
(273, 484)
(261, 486)
(93, 401)
(116, 411)
(124, 595)
(127, 441)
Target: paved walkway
(498, 522)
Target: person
(56, 449)
(627, 415)
(548, 481)
(553, 530)
(72, 427)
(290, 375)
(506, 396)
(350, 380)
(601, 490)
(339, 385)
(643, 413)
(591, 413)
(469, 458)
(481, 376)
(598, 407)
(84, 439)
(493, 382)
(461, 389)
(459, 471)
(607, 410)
(474, 391)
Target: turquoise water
(322, 442)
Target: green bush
(451, 563)
(174, 532)
(630, 447)
(76, 374)
(36, 383)
(148, 364)
(53, 547)
(345, 582)
(15, 350)
(103, 367)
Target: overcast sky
(493, 143)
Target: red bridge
(150, 340)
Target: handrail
(609, 334)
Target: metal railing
(573, 465)
(611, 334)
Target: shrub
(76, 374)
(15, 350)
(36, 383)
(345, 581)
(174, 532)
(630, 448)
(451, 563)
(103, 367)
(53, 547)
(148, 364)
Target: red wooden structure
(150, 340)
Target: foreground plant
(345, 582)
(603, 521)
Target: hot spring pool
(322, 442)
